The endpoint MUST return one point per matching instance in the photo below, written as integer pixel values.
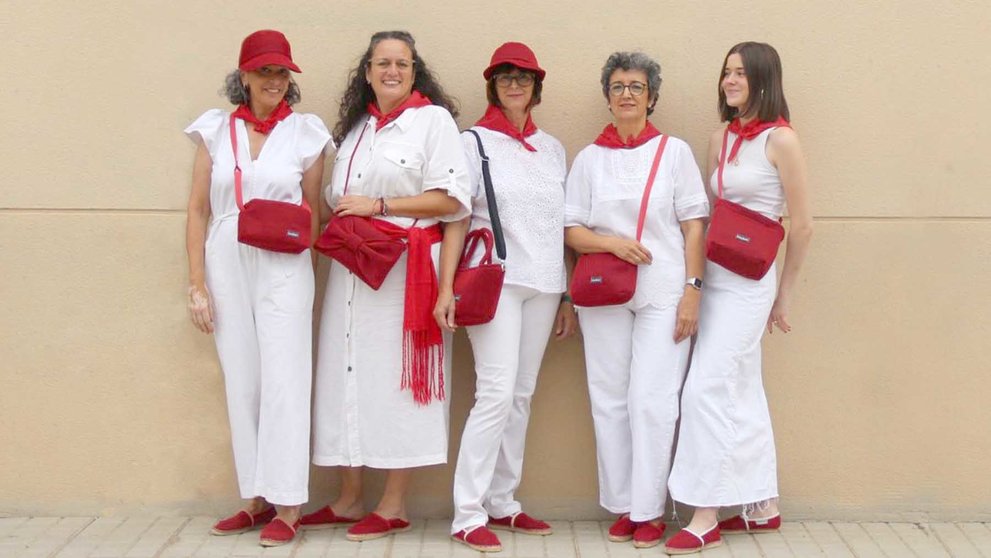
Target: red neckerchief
(610, 137)
(494, 119)
(414, 101)
(264, 127)
(749, 131)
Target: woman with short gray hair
(636, 353)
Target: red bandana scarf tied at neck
(494, 119)
(610, 137)
(415, 100)
(749, 131)
(264, 126)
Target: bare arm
(712, 162)
(432, 203)
(312, 178)
(584, 241)
(686, 323)
(785, 153)
(566, 322)
(197, 217)
(450, 253)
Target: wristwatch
(694, 282)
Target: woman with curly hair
(383, 362)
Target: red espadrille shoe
(324, 518)
(478, 538)
(622, 529)
(278, 533)
(241, 522)
(648, 534)
(687, 541)
(374, 526)
(737, 524)
(520, 523)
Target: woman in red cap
(258, 303)
(383, 363)
(528, 169)
(726, 453)
(636, 353)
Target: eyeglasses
(384, 64)
(505, 80)
(636, 88)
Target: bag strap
(722, 162)
(238, 193)
(650, 184)
(500, 239)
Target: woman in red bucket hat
(528, 169)
(258, 303)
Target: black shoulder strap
(500, 240)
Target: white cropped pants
(508, 351)
(635, 371)
(263, 304)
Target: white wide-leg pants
(508, 352)
(263, 304)
(635, 371)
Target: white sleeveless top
(751, 180)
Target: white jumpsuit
(361, 416)
(634, 367)
(263, 303)
(529, 188)
(725, 452)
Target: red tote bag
(602, 279)
(740, 239)
(477, 288)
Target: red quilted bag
(602, 279)
(477, 289)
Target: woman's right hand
(444, 310)
(201, 308)
(630, 251)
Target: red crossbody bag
(269, 224)
(602, 279)
(740, 239)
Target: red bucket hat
(265, 47)
(517, 54)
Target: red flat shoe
(688, 542)
(622, 529)
(479, 538)
(374, 526)
(278, 533)
(520, 523)
(324, 518)
(648, 534)
(241, 522)
(737, 524)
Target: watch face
(695, 282)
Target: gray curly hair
(236, 93)
(631, 61)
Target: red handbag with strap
(269, 224)
(477, 288)
(740, 239)
(602, 279)
(367, 247)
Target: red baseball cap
(265, 47)
(517, 54)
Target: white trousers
(635, 371)
(508, 351)
(726, 451)
(263, 304)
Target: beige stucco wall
(111, 402)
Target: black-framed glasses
(636, 88)
(522, 79)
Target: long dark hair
(766, 95)
(359, 92)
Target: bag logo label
(292, 234)
(595, 280)
(743, 238)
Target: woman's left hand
(779, 316)
(687, 318)
(351, 204)
(566, 323)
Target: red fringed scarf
(749, 131)
(415, 100)
(264, 126)
(610, 137)
(423, 345)
(494, 119)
